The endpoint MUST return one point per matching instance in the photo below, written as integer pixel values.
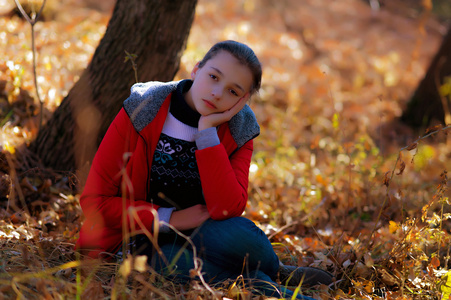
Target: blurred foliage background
(337, 182)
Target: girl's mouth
(209, 104)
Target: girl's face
(219, 84)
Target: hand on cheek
(217, 119)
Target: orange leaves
(393, 226)
(321, 180)
(427, 4)
(402, 164)
(367, 286)
(138, 263)
(321, 153)
(412, 146)
(387, 178)
(435, 262)
(434, 128)
(433, 265)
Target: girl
(181, 151)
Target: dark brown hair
(243, 54)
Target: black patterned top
(175, 180)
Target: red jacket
(120, 174)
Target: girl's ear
(194, 71)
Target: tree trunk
(427, 106)
(156, 31)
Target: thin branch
(35, 76)
(132, 57)
(32, 22)
(387, 181)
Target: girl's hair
(243, 54)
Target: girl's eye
(233, 92)
(213, 76)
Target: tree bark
(427, 106)
(156, 31)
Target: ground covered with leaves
(337, 182)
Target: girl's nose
(216, 93)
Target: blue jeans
(228, 249)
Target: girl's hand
(217, 119)
(190, 217)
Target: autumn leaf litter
(328, 184)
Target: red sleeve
(225, 180)
(102, 200)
